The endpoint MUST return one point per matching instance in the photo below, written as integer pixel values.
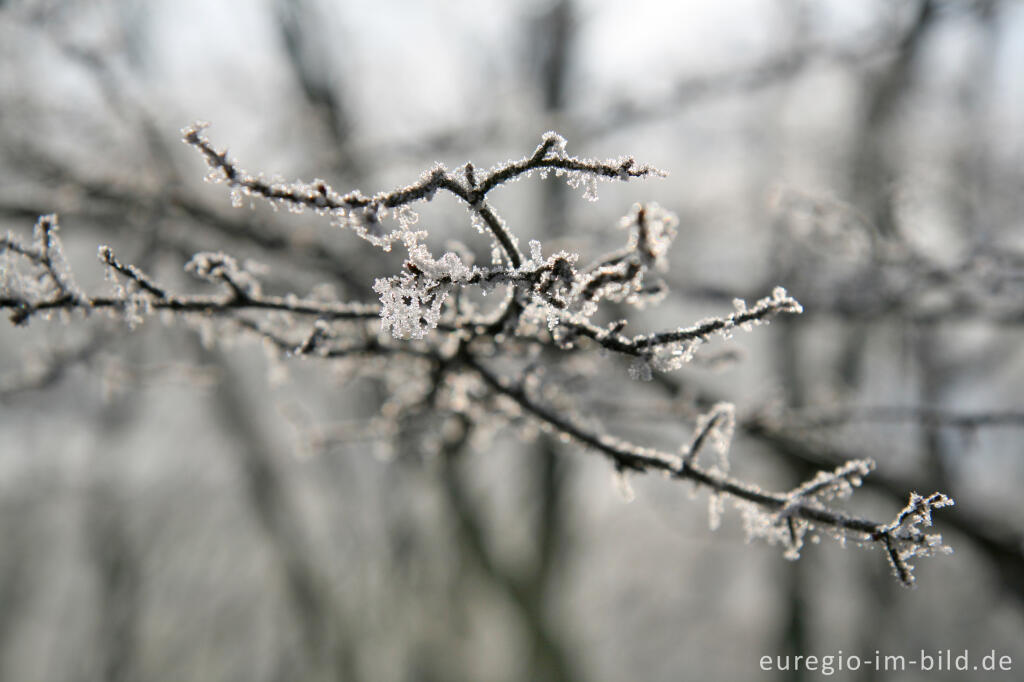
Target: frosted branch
(364, 214)
(24, 296)
(770, 515)
(548, 303)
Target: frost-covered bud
(656, 230)
(220, 267)
(551, 144)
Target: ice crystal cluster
(445, 358)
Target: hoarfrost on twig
(547, 308)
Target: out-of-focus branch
(119, 581)
(826, 418)
(554, 662)
(311, 66)
(314, 605)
